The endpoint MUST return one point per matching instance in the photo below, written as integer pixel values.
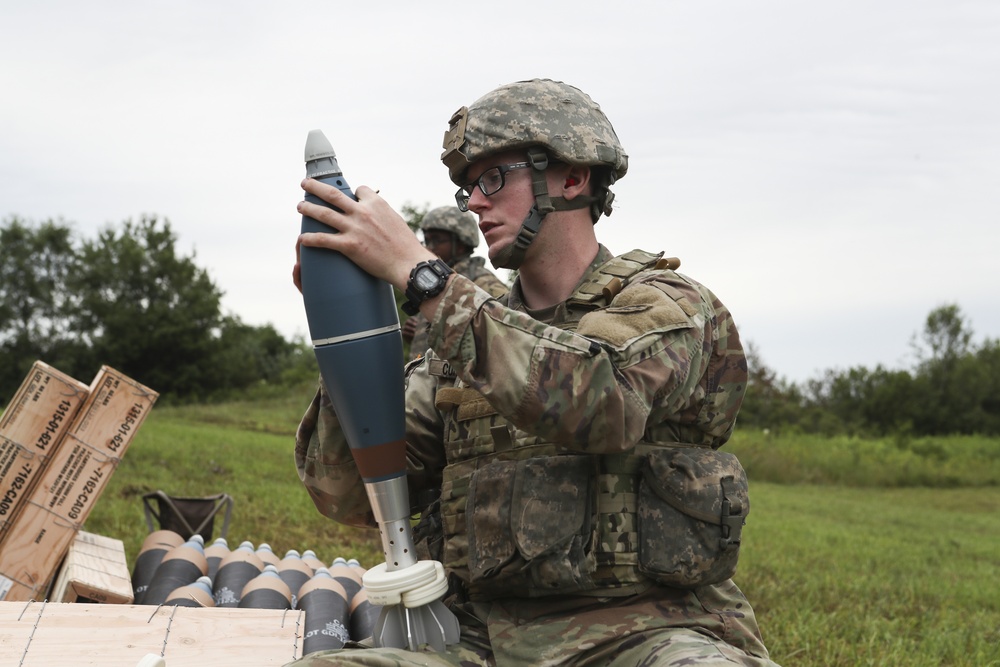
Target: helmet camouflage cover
(450, 219)
(561, 118)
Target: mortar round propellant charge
(348, 577)
(294, 572)
(266, 591)
(181, 566)
(154, 548)
(198, 594)
(324, 602)
(364, 615)
(235, 571)
(267, 555)
(215, 553)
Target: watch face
(426, 279)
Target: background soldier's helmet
(562, 119)
(450, 219)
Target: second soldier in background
(451, 235)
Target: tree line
(953, 387)
(127, 299)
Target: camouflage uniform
(541, 433)
(473, 268)
(662, 363)
(463, 230)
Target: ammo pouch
(692, 505)
(428, 535)
(529, 527)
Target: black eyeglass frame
(464, 193)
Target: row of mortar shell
(172, 571)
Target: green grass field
(857, 552)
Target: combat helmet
(548, 119)
(451, 219)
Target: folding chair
(187, 516)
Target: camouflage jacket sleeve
(662, 362)
(493, 285)
(326, 466)
(475, 270)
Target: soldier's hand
(297, 269)
(409, 328)
(371, 234)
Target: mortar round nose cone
(318, 146)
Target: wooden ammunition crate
(95, 570)
(39, 634)
(33, 548)
(32, 429)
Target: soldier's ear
(577, 181)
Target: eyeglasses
(489, 182)
(431, 240)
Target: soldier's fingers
(297, 269)
(329, 217)
(363, 192)
(328, 193)
(321, 240)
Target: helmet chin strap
(512, 256)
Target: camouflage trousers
(713, 625)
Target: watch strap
(416, 296)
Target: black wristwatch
(427, 279)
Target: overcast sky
(830, 170)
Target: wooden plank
(32, 429)
(31, 551)
(36, 634)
